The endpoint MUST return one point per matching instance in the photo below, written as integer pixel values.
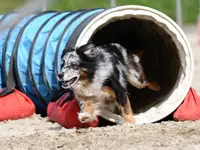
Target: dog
(100, 65)
(75, 78)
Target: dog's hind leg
(153, 85)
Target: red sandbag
(67, 115)
(190, 108)
(15, 105)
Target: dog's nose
(60, 75)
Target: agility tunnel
(38, 40)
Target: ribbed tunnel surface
(37, 41)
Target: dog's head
(75, 59)
(70, 68)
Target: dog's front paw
(129, 120)
(86, 117)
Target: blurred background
(189, 8)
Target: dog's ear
(89, 51)
(86, 49)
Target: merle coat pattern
(106, 65)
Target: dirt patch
(39, 133)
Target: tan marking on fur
(140, 54)
(89, 106)
(143, 76)
(81, 87)
(127, 112)
(83, 73)
(153, 86)
(110, 91)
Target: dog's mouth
(69, 83)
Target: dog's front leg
(88, 110)
(126, 109)
(124, 102)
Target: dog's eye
(75, 67)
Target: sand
(40, 134)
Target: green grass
(189, 7)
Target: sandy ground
(38, 133)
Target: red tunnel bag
(15, 105)
(190, 108)
(67, 114)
